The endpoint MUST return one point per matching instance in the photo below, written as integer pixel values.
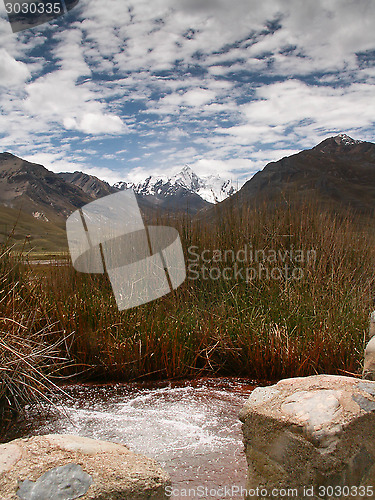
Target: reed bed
(220, 322)
(263, 326)
(31, 352)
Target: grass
(23, 231)
(30, 344)
(262, 328)
(265, 328)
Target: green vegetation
(24, 232)
(263, 329)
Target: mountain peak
(346, 140)
(338, 143)
(187, 168)
(186, 178)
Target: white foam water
(191, 429)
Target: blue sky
(123, 89)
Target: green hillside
(25, 231)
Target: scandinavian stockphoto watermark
(142, 262)
(249, 264)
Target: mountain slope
(25, 231)
(90, 184)
(339, 170)
(37, 191)
(34, 204)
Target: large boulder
(314, 432)
(64, 467)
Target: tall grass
(30, 343)
(262, 328)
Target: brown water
(190, 428)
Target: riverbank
(299, 307)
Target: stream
(190, 428)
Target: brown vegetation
(263, 328)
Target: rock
(9, 455)
(310, 432)
(65, 483)
(369, 363)
(62, 467)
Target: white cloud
(12, 72)
(232, 169)
(96, 124)
(56, 98)
(198, 97)
(309, 111)
(194, 98)
(69, 53)
(192, 80)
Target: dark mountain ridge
(339, 170)
(33, 189)
(91, 185)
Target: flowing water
(190, 428)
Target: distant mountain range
(49, 196)
(184, 191)
(212, 189)
(43, 200)
(339, 170)
(152, 194)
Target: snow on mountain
(215, 189)
(211, 188)
(346, 140)
(339, 143)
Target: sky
(124, 89)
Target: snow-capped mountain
(346, 140)
(211, 188)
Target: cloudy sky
(126, 88)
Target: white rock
(261, 395)
(9, 455)
(314, 408)
(369, 362)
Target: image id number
(346, 491)
(33, 8)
